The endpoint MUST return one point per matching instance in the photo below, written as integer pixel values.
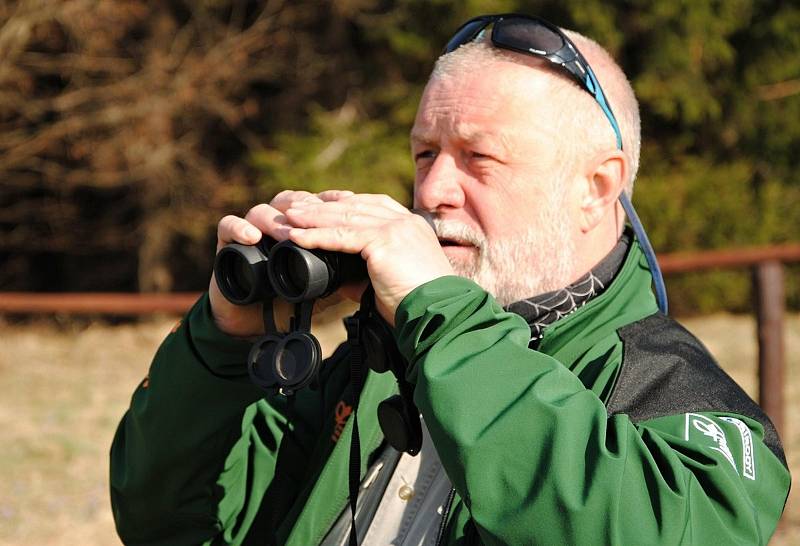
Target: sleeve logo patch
(710, 431)
(749, 462)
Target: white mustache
(456, 231)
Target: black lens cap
(401, 428)
(296, 361)
(260, 361)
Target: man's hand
(263, 219)
(401, 250)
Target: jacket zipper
(445, 514)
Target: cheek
(480, 202)
(497, 213)
(517, 204)
(571, 201)
(414, 197)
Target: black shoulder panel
(667, 371)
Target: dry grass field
(63, 389)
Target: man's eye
(478, 155)
(425, 155)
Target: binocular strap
(356, 379)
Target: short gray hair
(578, 115)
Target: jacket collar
(627, 299)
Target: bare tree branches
(131, 95)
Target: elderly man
(559, 405)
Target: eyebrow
(421, 137)
(466, 133)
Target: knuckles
(225, 226)
(257, 210)
(350, 215)
(403, 229)
(355, 212)
(227, 220)
(387, 201)
(285, 198)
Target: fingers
(286, 198)
(401, 252)
(290, 199)
(232, 229)
(339, 238)
(249, 230)
(344, 209)
(293, 208)
(353, 233)
(374, 199)
(345, 225)
(338, 213)
(260, 219)
(334, 195)
(269, 220)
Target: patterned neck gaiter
(542, 310)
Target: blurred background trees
(128, 127)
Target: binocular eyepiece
(247, 274)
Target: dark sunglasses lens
(465, 34)
(526, 34)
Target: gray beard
(539, 259)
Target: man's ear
(604, 179)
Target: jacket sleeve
(195, 453)
(536, 459)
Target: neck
(592, 247)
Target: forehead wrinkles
(468, 116)
(511, 103)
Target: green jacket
(618, 429)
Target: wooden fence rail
(682, 262)
(96, 303)
(766, 264)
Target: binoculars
(249, 274)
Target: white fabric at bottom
(409, 509)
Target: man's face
(486, 165)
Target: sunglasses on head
(539, 38)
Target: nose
(441, 187)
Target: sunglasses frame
(568, 57)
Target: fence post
(770, 302)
